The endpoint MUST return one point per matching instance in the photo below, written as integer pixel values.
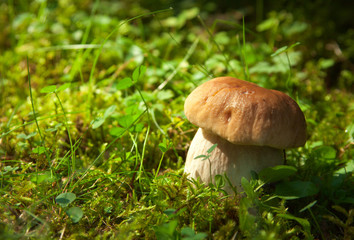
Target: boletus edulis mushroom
(251, 126)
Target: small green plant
(64, 200)
(207, 157)
(347, 224)
(168, 230)
(219, 180)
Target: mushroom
(251, 126)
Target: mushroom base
(236, 161)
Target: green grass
(93, 137)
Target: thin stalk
(227, 60)
(91, 78)
(96, 159)
(200, 66)
(147, 133)
(35, 118)
(143, 151)
(12, 115)
(316, 223)
(82, 55)
(158, 168)
(73, 162)
(75, 147)
(135, 145)
(38, 119)
(241, 55)
(104, 150)
(289, 72)
(175, 71)
(247, 75)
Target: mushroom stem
(236, 161)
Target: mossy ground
(92, 96)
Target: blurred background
(325, 28)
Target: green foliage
(276, 173)
(346, 225)
(75, 214)
(65, 199)
(93, 137)
(168, 230)
(295, 189)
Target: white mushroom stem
(236, 161)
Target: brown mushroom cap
(245, 114)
